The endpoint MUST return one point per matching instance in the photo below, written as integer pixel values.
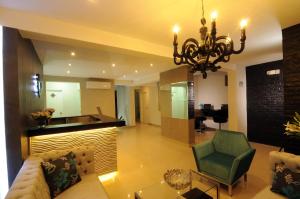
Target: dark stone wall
(265, 103)
(291, 62)
(20, 63)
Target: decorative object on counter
(293, 127)
(43, 117)
(178, 178)
(211, 50)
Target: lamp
(37, 84)
(210, 51)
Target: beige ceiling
(152, 21)
(98, 61)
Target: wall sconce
(273, 72)
(37, 84)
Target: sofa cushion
(61, 173)
(88, 188)
(286, 182)
(217, 164)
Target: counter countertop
(80, 126)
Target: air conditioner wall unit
(98, 85)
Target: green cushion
(217, 164)
(230, 142)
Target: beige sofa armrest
(30, 182)
(291, 161)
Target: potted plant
(293, 127)
(292, 139)
(43, 117)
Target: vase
(42, 123)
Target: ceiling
(152, 21)
(99, 62)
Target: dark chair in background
(208, 110)
(220, 116)
(199, 125)
(199, 118)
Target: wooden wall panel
(20, 63)
(179, 129)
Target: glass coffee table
(162, 190)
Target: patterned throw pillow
(61, 173)
(286, 182)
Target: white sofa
(290, 160)
(30, 182)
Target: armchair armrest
(202, 150)
(241, 165)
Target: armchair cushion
(217, 165)
(202, 150)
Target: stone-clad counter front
(103, 139)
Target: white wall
(211, 90)
(241, 90)
(125, 103)
(150, 112)
(66, 99)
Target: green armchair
(226, 157)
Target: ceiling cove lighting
(210, 51)
(3, 158)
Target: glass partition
(174, 100)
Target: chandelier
(210, 51)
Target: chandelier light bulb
(176, 29)
(243, 23)
(228, 40)
(214, 15)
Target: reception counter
(78, 123)
(102, 134)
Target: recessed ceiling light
(151, 65)
(68, 71)
(113, 65)
(73, 54)
(124, 76)
(70, 64)
(136, 71)
(103, 71)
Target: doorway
(137, 105)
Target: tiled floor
(144, 155)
